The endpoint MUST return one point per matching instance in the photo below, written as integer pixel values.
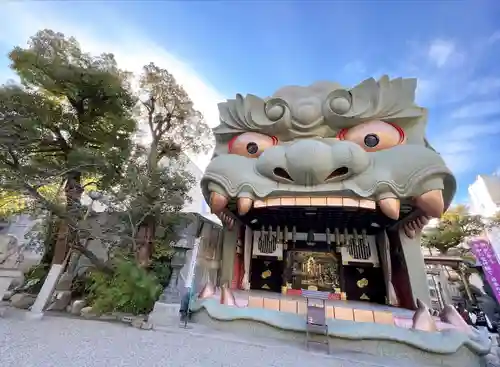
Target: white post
(46, 292)
(247, 256)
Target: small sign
(484, 253)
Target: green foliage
(71, 118)
(11, 203)
(129, 289)
(68, 127)
(453, 230)
(34, 279)
(160, 263)
(175, 125)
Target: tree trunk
(145, 241)
(145, 234)
(66, 235)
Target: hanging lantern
(294, 234)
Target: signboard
(482, 249)
(493, 235)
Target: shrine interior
(326, 245)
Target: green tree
(157, 182)
(453, 230)
(71, 119)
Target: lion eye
(374, 135)
(251, 145)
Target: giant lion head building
(324, 190)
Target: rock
(137, 322)
(7, 296)
(87, 312)
(61, 301)
(16, 282)
(140, 323)
(77, 307)
(22, 300)
(64, 283)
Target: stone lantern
(172, 293)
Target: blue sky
(217, 49)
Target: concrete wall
(19, 227)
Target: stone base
(383, 342)
(165, 315)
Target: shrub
(160, 264)
(130, 289)
(34, 279)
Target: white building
(198, 203)
(484, 195)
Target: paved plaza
(61, 341)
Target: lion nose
(311, 162)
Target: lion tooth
(419, 223)
(390, 207)
(217, 202)
(424, 220)
(451, 316)
(422, 319)
(227, 296)
(244, 205)
(410, 233)
(431, 203)
(224, 218)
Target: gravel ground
(66, 342)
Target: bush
(130, 289)
(160, 264)
(34, 279)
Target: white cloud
(20, 20)
(477, 110)
(495, 37)
(440, 52)
(460, 148)
(355, 67)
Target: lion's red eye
(374, 135)
(251, 144)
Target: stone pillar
(235, 282)
(228, 255)
(247, 257)
(416, 267)
(46, 292)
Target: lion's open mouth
(317, 213)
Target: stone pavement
(61, 341)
